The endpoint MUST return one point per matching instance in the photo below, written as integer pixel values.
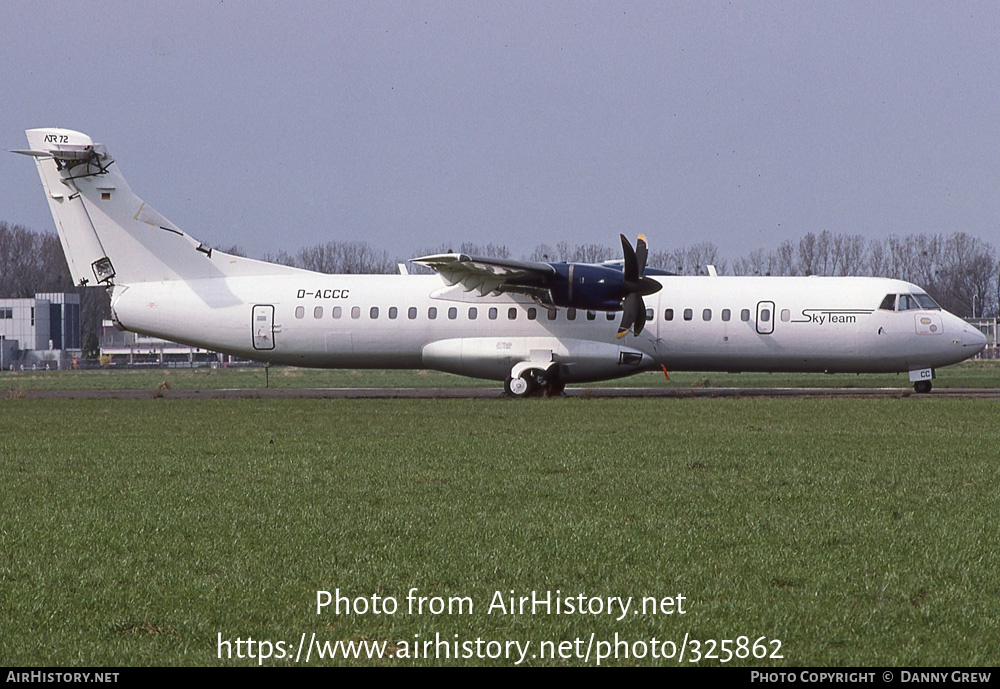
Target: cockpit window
(926, 302)
(909, 302)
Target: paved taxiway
(495, 393)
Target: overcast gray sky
(416, 124)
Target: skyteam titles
(831, 316)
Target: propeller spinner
(636, 285)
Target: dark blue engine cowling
(588, 286)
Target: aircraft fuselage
(412, 321)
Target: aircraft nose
(973, 340)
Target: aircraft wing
(487, 275)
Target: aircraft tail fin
(109, 235)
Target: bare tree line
(958, 270)
(33, 262)
(337, 257)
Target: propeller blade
(630, 314)
(641, 252)
(631, 267)
(640, 319)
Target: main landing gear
(534, 381)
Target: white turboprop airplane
(537, 326)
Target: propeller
(637, 286)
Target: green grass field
(856, 532)
(971, 374)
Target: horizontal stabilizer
(64, 145)
(69, 152)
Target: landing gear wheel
(548, 382)
(542, 379)
(922, 386)
(519, 387)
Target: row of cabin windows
(432, 313)
(727, 315)
(706, 314)
(532, 313)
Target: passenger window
(318, 312)
(373, 313)
(532, 312)
(668, 315)
(765, 315)
(552, 314)
(511, 314)
(570, 314)
(432, 312)
(355, 312)
(688, 314)
(337, 312)
(706, 315)
(610, 315)
(411, 312)
(888, 303)
(493, 313)
(649, 314)
(745, 315)
(452, 313)
(726, 314)
(591, 315)
(392, 313)
(300, 311)
(473, 312)
(786, 315)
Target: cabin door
(765, 317)
(263, 326)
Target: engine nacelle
(577, 361)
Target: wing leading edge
(491, 275)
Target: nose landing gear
(921, 379)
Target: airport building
(42, 332)
(988, 327)
(124, 348)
